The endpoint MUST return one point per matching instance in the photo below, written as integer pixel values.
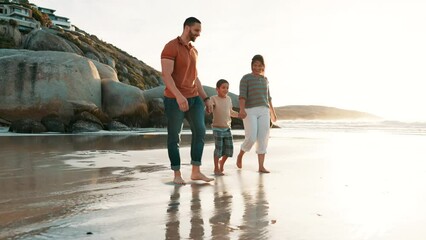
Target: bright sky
(365, 55)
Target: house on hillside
(10, 10)
(62, 22)
(13, 9)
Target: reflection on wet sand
(252, 220)
(173, 222)
(37, 184)
(255, 218)
(222, 211)
(197, 223)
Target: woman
(256, 110)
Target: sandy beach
(330, 185)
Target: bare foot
(200, 176)
(218, 173)
(179, 180)
(239, 161)
(263, 170)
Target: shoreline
(338, 185)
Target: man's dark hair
(191, 21)
(220, 82)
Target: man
(184, 97)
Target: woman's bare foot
(178, 178)
(263, 170)
(200, 176)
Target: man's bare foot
(200, 176)
(239, 161)
(179, 180)
(263, 170)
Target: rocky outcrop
(43, 40)
(9, 36)
(38, 83)
(125, 103)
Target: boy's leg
(222, 163)
(218, 149)
(217, 167)
(228, 148)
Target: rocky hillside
(129, 69)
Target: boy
(221, 125)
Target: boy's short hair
(220, 82)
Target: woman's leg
(250, 130)
(263, 137)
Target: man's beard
(192, 37)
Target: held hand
(209, 106)
(183, 103)
(242, 114)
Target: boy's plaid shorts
(224, 145)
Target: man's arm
(167, 67)
(203, 95)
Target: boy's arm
(233, 113)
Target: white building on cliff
(22, 14)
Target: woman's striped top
(255, 90)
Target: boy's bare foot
(263, 170)
(218, 173)
(200, 176)
(179, 180)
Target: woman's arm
(272, 112)
(242, 113)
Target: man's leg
(198, 129)
(174, 127)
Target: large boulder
(124, 103)
(37, 83)
(43, 40)
(10, 36)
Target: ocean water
(293, 126)
(387, 127)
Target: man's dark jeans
(195, 117)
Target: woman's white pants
(256, 127)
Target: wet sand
(322, 186)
